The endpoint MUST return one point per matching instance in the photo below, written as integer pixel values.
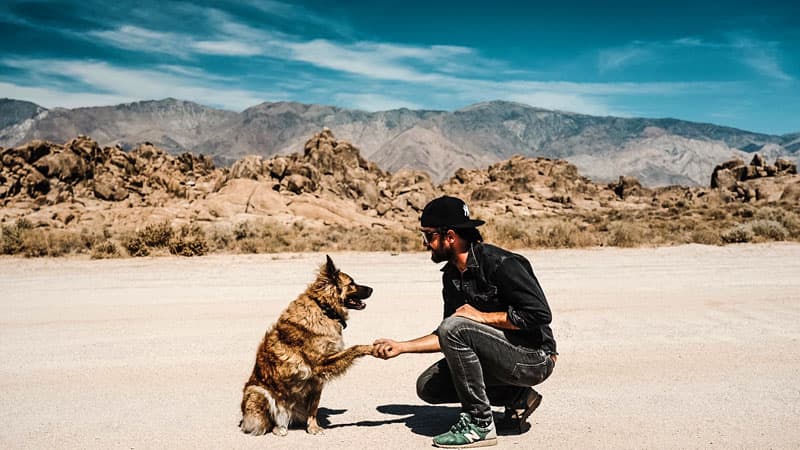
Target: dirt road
(680, 347)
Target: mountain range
(656, 151)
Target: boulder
(63, 165)
(298, 184)
(784, 166)
(251, 167)
(108, 187)
(626, 187)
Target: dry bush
(705, 235)
(10, 239)
(768, 230)
(626, 234)
(511, 233)
(22, 238)
(156, 235)
(739, 234)
(135, 245)
(790, 220)
(188, 241)
(564, 235)
(105, 249)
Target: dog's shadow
(420, 419)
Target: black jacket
(498, 280)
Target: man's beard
(440, 255)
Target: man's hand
(386, 348)
(494, 319)
(469, 312)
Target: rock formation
(81, 185)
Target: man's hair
(471, 235)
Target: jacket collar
(472, 259)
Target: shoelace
(461, 425)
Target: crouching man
(495, 336)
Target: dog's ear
(330, 269)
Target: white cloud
(119, 85)
(378, 61)
(761, 57)
(230, 48)
(51, 98)
(614, 59)
(135, 38)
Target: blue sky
(729, 63)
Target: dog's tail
(255, 411)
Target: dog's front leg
(337, 363)
(312, 427)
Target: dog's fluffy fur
(302, 351)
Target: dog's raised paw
(280, 431)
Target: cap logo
(466, 211)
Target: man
(495, 335)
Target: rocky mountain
(16, 111)
(656, 151)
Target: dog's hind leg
(255, 411)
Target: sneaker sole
(484, 443)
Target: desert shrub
(705, 235)
(105, 249)
(739, 234)
(718, 214)
(188, 241)
(745, 211)
(244, 230)
(220, 238)
(511, 233)
(37, 244)
(156, 235)
(625, 234)
(22, 238)
(564, 235)
(136, 246)
(10, 239)
(790, 220)
(770, 230)
(249, 245)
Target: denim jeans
(482, 366)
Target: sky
(723, 62)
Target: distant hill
(656, 151)
(16, 111)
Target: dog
(303, 350)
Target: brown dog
(302, 351)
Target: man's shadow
(420, 419)
(426, 420)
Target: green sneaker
(466, 434)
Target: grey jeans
(482, 367)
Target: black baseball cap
(448, 212)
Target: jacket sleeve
(519, 288)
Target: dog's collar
(331, 314)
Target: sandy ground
(682, 347)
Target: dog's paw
(364, 350)
(280, 431)
(314, 429)
(253, 426)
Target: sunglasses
(427, 236)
